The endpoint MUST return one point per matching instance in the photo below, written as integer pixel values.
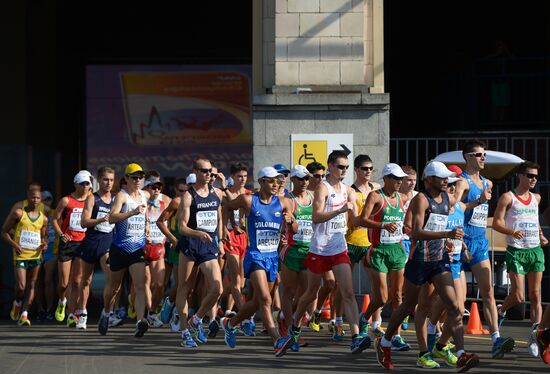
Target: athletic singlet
(100, 210)
(40, 205)
(27, 235)
(475, 220)
(302, 213)
(382, 238)
(329, 237)
(71, 222)
(359, 236)
(263, 225)
(236, 215)
(456, 219)
(130, 233)
(156, 236)
(435, 219)
(405, 208)
(203, 213)
(523, 215)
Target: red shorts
(154, 252)
(321, 264)
(238, 244)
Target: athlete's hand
(204, 237)
(238, 229)
(105, 218)
(543, 240)
(44, 245)
(283, 242)
(346, 207)
(449, 246)
(221, 178)
(390, 226)
(485, 195)
(518, 234)
(455, 233)
(466, 255)
(288, 217)
(65, 238)
(221, 249)
(139, 209)
(18, 249)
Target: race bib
(337, 224)
(436, 222)
(29, 239)
(267, 240)
(305, 231)
(387, 237)
(457, 246)
(207, 220)
(156, 236)
(104, 226)
(136, 225)
(479, 216)
(74, 221)
(236, 216)
(531, 234)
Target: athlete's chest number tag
(531, 237)
(74, 221)
(337, 224)
(104, 226)
(305, 231)
(155, 234)
(29, 239)
(387, 237)
(207, 220)
(136, 225)
(479, 216)
(267, 240)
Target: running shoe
(247, 327)
(81, 321)
(284, 343)
(364, 325)
(121, 313)
(426, 361)
(500, 316)
(230, 337)
(166, 310)
(197, 330)
(405, 324)
(141, 327)
(103, 324)
(466, 361)
(72, 320)
(24, 321)
(432, 339)
(213, 328)
(230, 314)
(60, 312)
(399, 344)
(49, 316)
(360, 343)
(281, 325)
(154, 320)
(502, 346)
(446, 354)
(115, 320)
(544, 347)
(383, 355)
(331, 325)
(338, 332)
(175, 324)
(15, 311)
(532, 345)
(187, 340)
(378, 332)
(315, 322)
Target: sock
(18, 303)
(439, 346)
(385, 342)
(63, 302)
(197, 320)
(183, 332)
(296, 330)
(376, 324)
(107, 314)
(281, 315)
(430, 327)
(459, 353)
(169, 303)
(420, 354)
(317, 311)
(495, 336)
(535, 326)
(252, 318)
(24, 314)
(339, 320)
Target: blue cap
(281, 168)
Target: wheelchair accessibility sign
(307, 148)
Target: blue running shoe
(284, 343)
(230, 337)
(502, 346)
(432, 339)
(247, 328)
(360, 343)
(405, 324)
(187, 340)
(364, 325)
(198, 331)
(338, 332)
(295, 347)
(399, 344)
(213, 328)
(166, 310)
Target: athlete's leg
(482, 272)
(212, 286)
(232, 265)
(157, 269)
(426, 298)
(396, 290)
(32, 276)
(290, 280)
(313, 283)
(186, 278)
(534, 280)
(63, 270)
(444, 286)
(517, 292)
(84, 281)
(379, 291)
(342, 273)
(137, 272)
(20, 283)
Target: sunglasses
(214, 175)
(306, 178)
(205, 171)
(84, 183)
(136, 177)
(367, 168)
(342, 167)
(531, 176)
(182, 191)
(285, 173)
(319, 176)
(478, 154)
(395, 178)
(156, 187)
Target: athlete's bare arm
(116, 215)
(184, 212)
(44, 234)
(372, 204)
(499, 223)
(319, 199)
(353, 214)
(165, 215)
(86, 219)
(419, 206)
(288, 216)
(9, 224)
(61, 206)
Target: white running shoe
(114, 320)
(175, 325)
(532, 346)
(81, 323)
(154, 320)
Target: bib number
(207, 220)
(530, 234)
(387, 237)
(479, 216)
(267, 240)
(136, 225)
(436, 222)
(457, 246)
(29, 239)
(305, 231)
(337, 224)
(104, 227)
(156, 236)
(74, 222)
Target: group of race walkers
(291, 250)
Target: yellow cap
(133, 168)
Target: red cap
(455, 169)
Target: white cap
(83, 176)
(268, 172)
(299, 171)
(152, 180)
(452, 180)
(191, 178)
(393, 169)
(437, 169)
(230, 181)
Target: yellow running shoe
(131, 309)
(446, 354)
(24, 321)
(14, 312)
(315, 322)
(60, 312)
(426, 361)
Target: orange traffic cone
(474, 322)
(325, 312)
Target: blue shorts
(182, 244)
(49, 255)
(199, 251)
(406, 243)
(479, 249)
(269, 264)
(92, 249)
(422, 272)
(456, 266)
